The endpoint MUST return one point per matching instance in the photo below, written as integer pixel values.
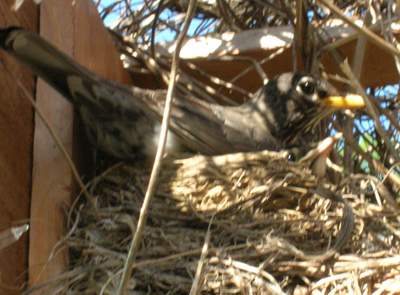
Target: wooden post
(76, 28)
(16, 129)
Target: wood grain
(78, 31)
(16, 131)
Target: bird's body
(123, 121)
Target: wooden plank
(76, 28)
(16, 129)
(261, 43)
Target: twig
(56, 139)
(196, 282)
(373, 162)
(389, 48)
(370, 107)
(160, 153)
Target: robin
(123, 121)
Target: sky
(166, 35)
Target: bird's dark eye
(308, 87)
(291, 157)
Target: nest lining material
(260, 208)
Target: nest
(247, 221)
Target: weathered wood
(261, 43)
(77, 30)
(16, 130)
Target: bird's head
(300, 101)
(315, 155)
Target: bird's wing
(196, 123)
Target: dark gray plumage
(122, 121)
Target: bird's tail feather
(107, 98)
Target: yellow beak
(343, 102)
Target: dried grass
(260, 209)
